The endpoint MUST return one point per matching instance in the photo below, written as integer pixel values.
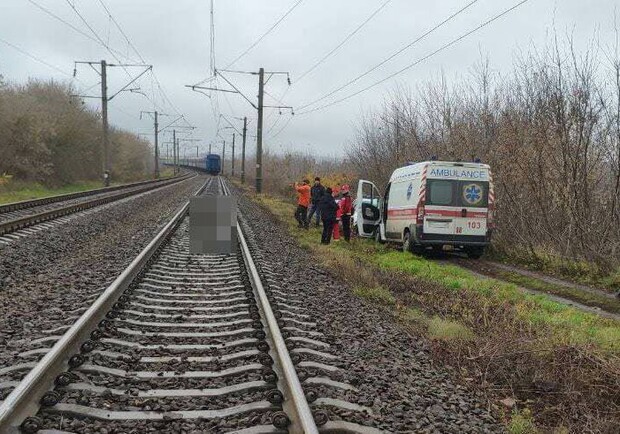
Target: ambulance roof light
(477, 160)
(433, 157)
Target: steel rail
(23, 222)
(31, 203)
(299, 412)
(24, 400)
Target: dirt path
(489, 269)
(553, 280)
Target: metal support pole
(174, 151)
(233, 157)
(245, 128)
(104, 118)
(224, 158)
(259, 133)
(156, 147)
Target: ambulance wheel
(377, 236)
(474, 252)
(407, 243)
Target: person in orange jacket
(303, 200)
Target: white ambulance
(437, 205)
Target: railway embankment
(541, 364)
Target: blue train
(213, 164)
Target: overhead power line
(255, 43)
(442, 48)
(344, 41)
(120, 29)
(383, 62)
(164, 97)
(81, 32)
(320, 61)
(35, 58)
(95, 34)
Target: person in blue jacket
(327, 207)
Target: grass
(447, 330)
(377, 294)
(16, 191)
(565, 324)
(568, 324)
(584, 297)
(493, 334)
(521, 422)
(584, 272)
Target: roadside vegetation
(544, 365)
(550, 130)
(15, 191)
(49, 137)
(588, 298)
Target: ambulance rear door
(367, 208)
(456, 205)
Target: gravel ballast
(392, 370)
(48, 279)
(382, 376)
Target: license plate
(448, 248)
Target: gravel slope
(391, 369)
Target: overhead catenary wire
(383, 62)
(74, 28)
(35, 58)
(120, 29)
(95, 34)
(255, 43)
(164, 96)
(324, 58)
(277, 133)
(422, 59)
(344, 41)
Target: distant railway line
(20, 219)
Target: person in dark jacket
(316, 192)
(327, 207)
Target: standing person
(106, 178)
(327, 206)
(346, 206)
(303, 200)
(316, 192)
(336, 233)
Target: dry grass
(558, 362)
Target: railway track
(20, 219)
(202, 343)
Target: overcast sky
(173, 36)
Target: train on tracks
(213, 164)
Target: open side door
(367, 208)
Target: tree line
(550, 131)
(49, 136)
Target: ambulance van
(436, 205)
